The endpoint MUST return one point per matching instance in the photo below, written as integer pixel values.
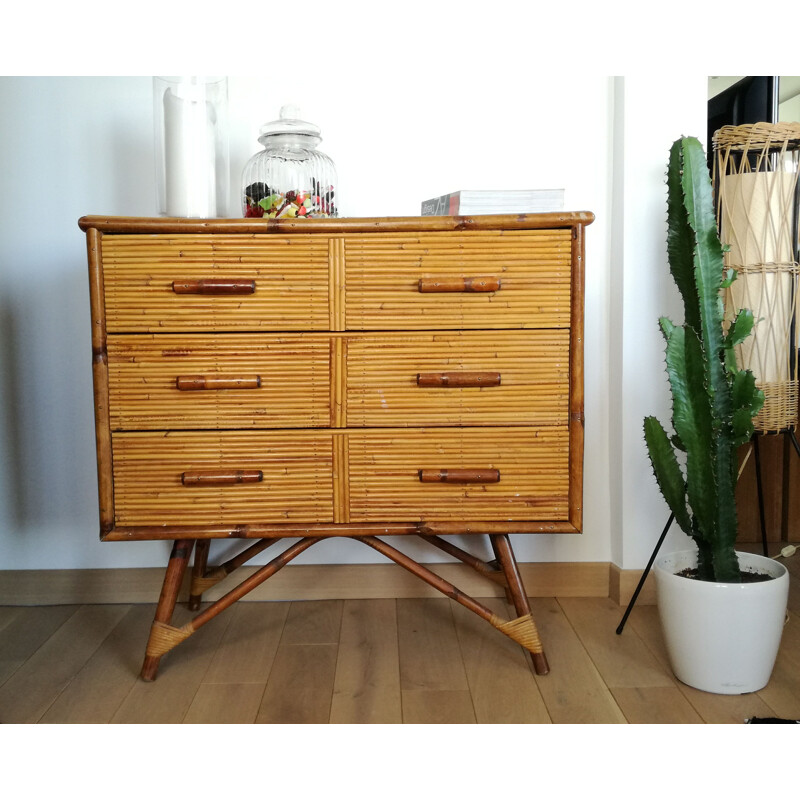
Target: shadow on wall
(50, 471)
(9, 392)
(101, 164)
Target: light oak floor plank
(655, 705)
(432, 707)
(499, 674)
(367, 684)
(313, 622)
(100, 687)
(573, 691)
(300, 686)
(26, 630)
(623, 660)
(248, 646)
(31, 690)
(225, 703)
(430, 655)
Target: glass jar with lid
(289, 177)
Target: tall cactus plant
(713, 402)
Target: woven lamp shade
(755, 180)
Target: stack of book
(503, 201)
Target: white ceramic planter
(721, 637)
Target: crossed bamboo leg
(163, 636)
(522, 629)
(503, 570)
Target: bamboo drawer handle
(459, 475)
(459, 284)
(191, 383)
(214, 286)
(220, 478)
(458, 379)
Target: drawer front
(220, 381)
(215, 282)
(530, 466)
(458, 378)
(204, 478)
(438, 281)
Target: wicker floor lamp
(756, 186)
(755, 178)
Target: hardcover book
(502, 201)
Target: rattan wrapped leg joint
(164, 637)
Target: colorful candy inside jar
(289, 178)
(262, 201)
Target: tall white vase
(721, 637)
(192, 148)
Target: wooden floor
(365, 661)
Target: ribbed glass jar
(289, 177)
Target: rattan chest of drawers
(274, 380)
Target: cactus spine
(713, 402)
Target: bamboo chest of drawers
(285, 380)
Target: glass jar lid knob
(291, 123)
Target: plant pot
(721, 637)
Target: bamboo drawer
(207, 478)
(392, 475)
(470, 279)
(215, 282)
(343, 380)
(231, 380)
(457, 378)
(470, 474)
(501, 279)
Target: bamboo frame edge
(336, 225)
(100, 384)
(121, 533)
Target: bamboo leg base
(503, 571)
(522, 629)
(198, 571)
(179, 558)
(496, 564)
(505, 555)
(204, 579)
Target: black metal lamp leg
(645, 573)
(760, 489)
(794, 441)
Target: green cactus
(713, 402)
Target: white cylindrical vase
(192, 155)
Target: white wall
(651, 111)
(75, 146)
